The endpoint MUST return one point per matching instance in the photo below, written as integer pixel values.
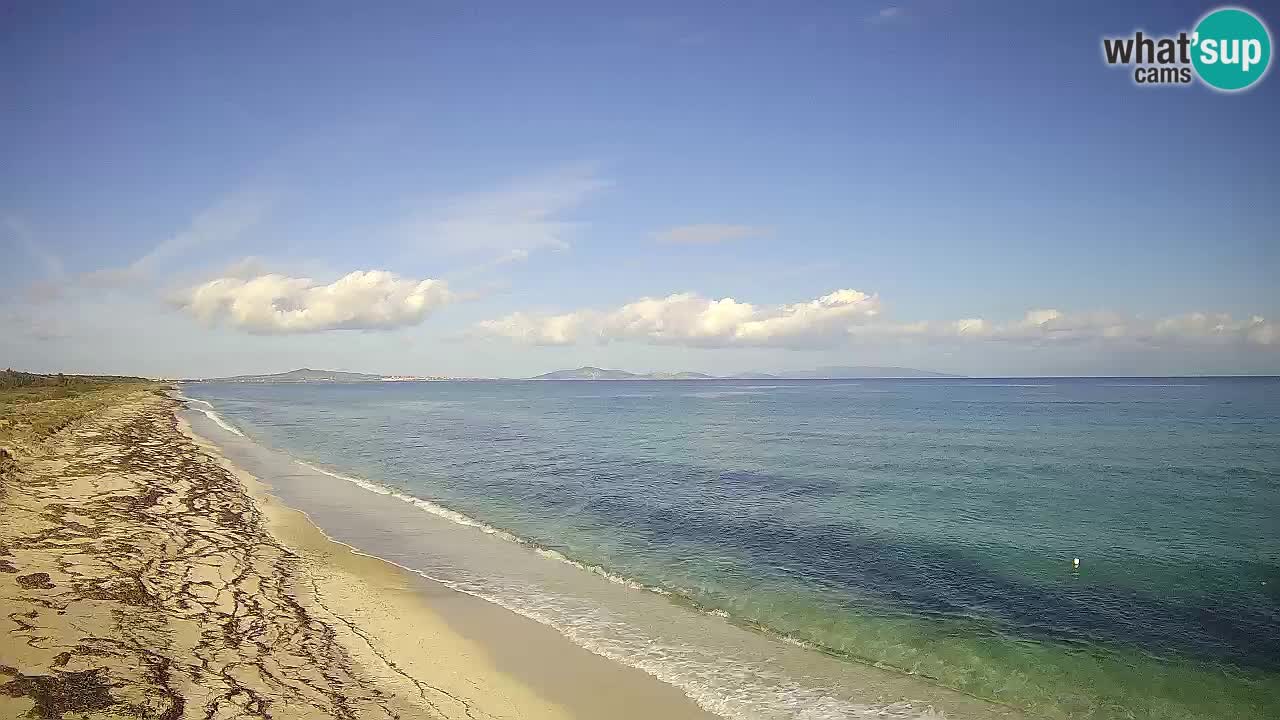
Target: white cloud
(512, 256)
(1047, 326)
(247, 267)
(852, 316)
(53, 276)
(511, 221)
(535, 329)
(33, 325)
(277, 304)
(887, 14)
(217, 225)
(50, 263)
(708, 233)
(690, 319)
(1217, 327)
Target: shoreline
(142, 575)
(763, 674)
(408, 477)
(683, 601)
(495, 641)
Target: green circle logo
(1232, 49)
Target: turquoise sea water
(926, 526)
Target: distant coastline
(307, 375)
(588, 373)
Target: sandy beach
(141, 575)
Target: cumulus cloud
(537, 329)
(708, 233)
(1218, 327)
(277, 304)
(245, 268)
(1051, 326)
(852, 316)
(690, 319)
(1045, 326)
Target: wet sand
(141, 575)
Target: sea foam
(741, 690)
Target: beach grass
(33, 406)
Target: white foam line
(739, 692)
(221, 423)
(461, 519)
(209, 413)
(736, 691)
(184, 398)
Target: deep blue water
(927, 525)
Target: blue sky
(948, 185)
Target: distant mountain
(305, 375)
(823, 373)
(589, 373)
(679, 376)
(302, 375)
(595, 373)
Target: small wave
(186, 399)
(713, 684)
(1009, 385)
(1153, 385)
(740, 690)
(723, 685)
(713, 394)
(597, 570)
(427, 505)
(216, 418)
(461, 519)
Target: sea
(825, 549)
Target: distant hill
(823, 373)
(589, 373)
(305, 375)
(301, 375)
(680, 376)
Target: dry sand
(143, 576)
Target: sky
(503, 189)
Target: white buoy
(1075, 563)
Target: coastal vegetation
(34, 406)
